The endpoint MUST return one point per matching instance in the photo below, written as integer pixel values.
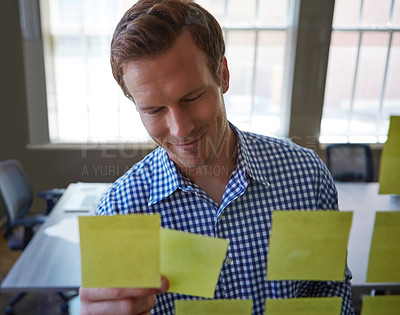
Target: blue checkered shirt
(270, 174)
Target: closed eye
(155, 111)
(192, 99)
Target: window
(86, 104)
(362, 87)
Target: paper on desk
(304, 306)
(214, 307)
(120, 251)
(308, 245)
(67, 229)
(384, 256)
(389, 174)
(381, 304)
(191, 262)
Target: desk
(364, 200)
(52, 263)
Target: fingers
(120, 300)
(125, 306)
(164, 284)
(97, 294)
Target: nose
(180, 122)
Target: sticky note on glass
(214, 307)
(381, 304)
(384, 255)
(120, 251)
(300, 306)
(389, 174)
(192, 262)
(308, 245)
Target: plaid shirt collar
(247, 165)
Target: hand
(120, 300)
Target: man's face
(180, 103)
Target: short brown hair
(150, 27)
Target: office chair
(350, 162)
(17, 196)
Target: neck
(214, 176)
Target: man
(206, 177)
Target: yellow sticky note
(120, 251)
(389, 173)
(304, 306)
(308, 245)
(213, 307)
(384, 256)
(381, 305)
(191, 262)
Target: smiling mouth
(188, 145)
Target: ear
(225, 76)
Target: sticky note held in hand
(120, 251)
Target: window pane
(376, 13)
(391, 102)
(346, 13)
(215, 7)
(71, 89)
(237, 13)
(339, 83)
(268, 84)
(240, 56)
(396, 14)
(272, 12)
(369, 83)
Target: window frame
(361, 31)
(299, 106)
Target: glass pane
(240, 56)
(268, 82)
(396, 14)
(391, 101)
(99, 16)
(237, 13)
(70, 71)
(102, 107)
(215, 7)
(346, 13)
(86, 104)
(66, 14)
(339, 83)
(272, 12)
(369, 83)
(376, 13)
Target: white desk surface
(53, 264)
(363, 199)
